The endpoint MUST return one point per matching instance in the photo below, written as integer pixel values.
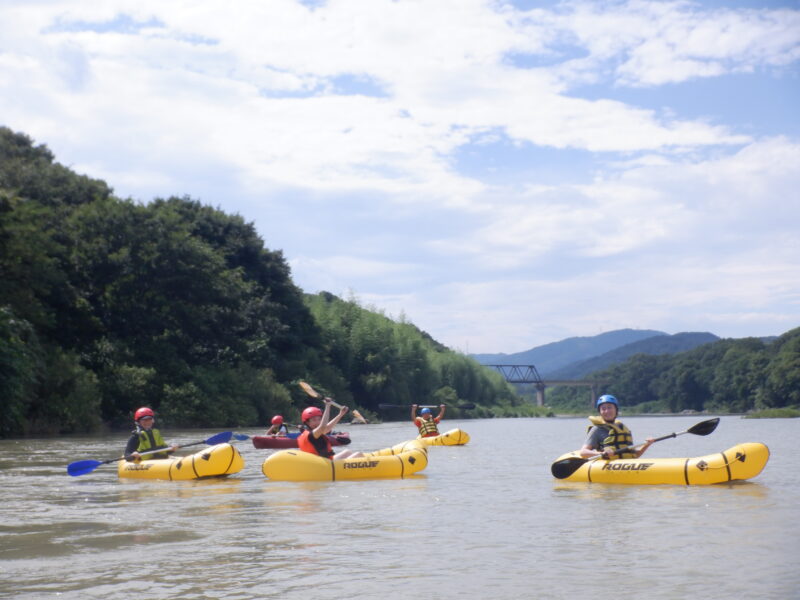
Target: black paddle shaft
(702, 428)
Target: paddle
(315, 394)
(562, 469)
(468, 406)
(83, 467)
(243, 436)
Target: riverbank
(774, 413)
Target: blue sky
(501, 174)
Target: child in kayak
(278, 427)
(317, 425)
(146, 437)
(607, 435)
(426, 422)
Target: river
(483, 521)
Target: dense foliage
(107, 304)
(731, 375)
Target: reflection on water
(482, 521)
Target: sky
(501, 174)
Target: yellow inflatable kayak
(454, 437)
(214, 461)
(296, 465)
(743, 461)
(400, 448)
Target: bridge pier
(540, 394)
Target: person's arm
(342, 412)
(270, 431)
(322, 429)
(645, 446)
(591, 447)
(131, 446)
(442, 408)
(414, 413)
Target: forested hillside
(729, 375)
(107, 304)
(659, 344)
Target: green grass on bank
(787, 412)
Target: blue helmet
(425, 411)
(607, 399)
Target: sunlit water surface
(485, 520)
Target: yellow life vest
(619, 436)
(146, 444)
(427, 428)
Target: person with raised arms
(607, 436)
(146, 438)
(426, 422)
(318, 424)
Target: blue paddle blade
(82, 467)
(241, 437)
(220, 438)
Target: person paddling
(146, 437)
(426, 422)
(606, 435)
(317, 425)
(278, 427)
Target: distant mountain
(556, 355)
(662, 344)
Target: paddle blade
(704, 427)
(561, 469)
(220, 438)
(241, 437)
(309, 390)
(82, 467)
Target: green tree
(782, 384)
(738, 377)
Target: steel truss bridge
(527, 374)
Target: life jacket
(427, 427)
(282, 429)
(320, 446)
(618, 435)
(151, 440)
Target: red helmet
(277, 420)
(143, 412)
(311, 411)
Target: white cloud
(653, 43)
(267, 102)
(442, 66)
(708, 245)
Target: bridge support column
(540, 394)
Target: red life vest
(320, 446)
